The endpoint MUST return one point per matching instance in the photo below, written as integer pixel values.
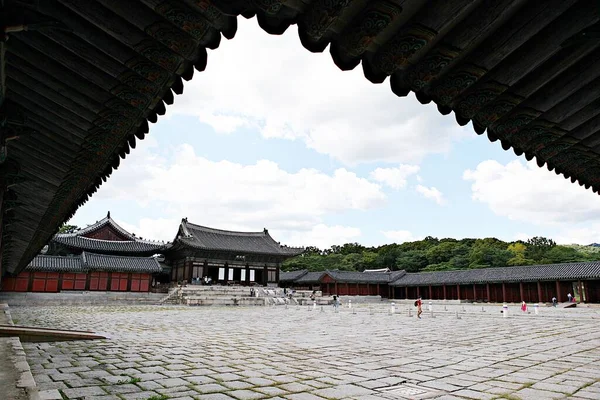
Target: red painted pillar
(430, 293)
(487, 289)
(418, 291)
(521, 292)
(458, 291)
(503, 292)
(558, 296)
(474, 292)
(444, 288)
(539, 287)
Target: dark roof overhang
(82, 79)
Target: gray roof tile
(111, 246)
(550, 272)
(291, 276)
(56, 264)
(94, 262)
(100, 262)
(202, 237)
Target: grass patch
(527, 385)
(158, 397)
(130, 380)
(507, 396)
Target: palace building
(226, 257)
(534, 283)
(106, 257)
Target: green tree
(443, 252)
(538, 246)
(411, 261)
(351, 248)
(488, 252)
(563, 254)
(68, 228)
(518, 251)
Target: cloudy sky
(271, 135)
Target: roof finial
(185, 219)
(108, 215)
(265, 230)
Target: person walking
(419, 305)
(570, 297)
(524, 306)
(554, 301)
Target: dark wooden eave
(83, 78)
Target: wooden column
(539, 288)
(265, 275)
(458, 291)
(247, 277)
(358, 289)
(444, 288)
(521, 292)
(418, 291)
(430, 293)
(503, 292)
(406, 292)
(487, 289)
(474, 292)
(379, 290)
(277, 274)
(368, 289)
(558, 296)
(391, 292)
(226, 277)
(347, 289)
(580, 290)
(336, 288)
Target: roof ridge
(265, 232)
(99, 224)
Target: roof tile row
(94, 262)
(550, 272)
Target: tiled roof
(111, 246)
(310, 277)
(56, 264)
(94, 262)
(550, 272)
(365, 277)
(304, 277)
(291, 276)
(99, 262)
(98, 225)
(201, 237)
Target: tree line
(433, 254)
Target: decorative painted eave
(83, 79)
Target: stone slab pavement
(297, 353)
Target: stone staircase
(193, 295)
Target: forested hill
(432, 254)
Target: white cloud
(401, 236)
(323, 236)
(580, 234)
(525, 192)
(233, 196)
(431, 193)
(522, 236)
(394, 177)
(272, 83)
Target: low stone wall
(79, 298)
(16, 380)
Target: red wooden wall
(97, 281)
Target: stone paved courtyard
(159, 352)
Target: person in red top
(419, 308)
